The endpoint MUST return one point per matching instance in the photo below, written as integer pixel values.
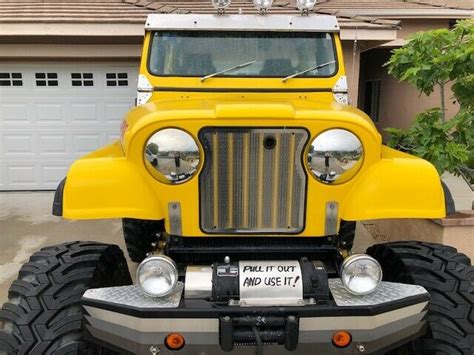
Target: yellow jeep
(239, 177)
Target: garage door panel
(50, 144)
(14, 112)
(52, 174)
(114, 111)
(55, 117)
(86, 143)
(33, 176)
(84, 112)
(18, 144)
(49, 112)
(21, 175)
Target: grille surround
(224, 207)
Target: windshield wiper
(285, 79)
(228, 69)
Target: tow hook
(154, 350)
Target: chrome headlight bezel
(353, 260)
(166, 262)
(172, 146)
(346, 163)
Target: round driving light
(263, 5)
(360, 274)
(335, 156)
(221, 4)
(172, 155)
(157, 275)
(305, 4)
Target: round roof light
(263, 5)
(305, 5)
(221, 5)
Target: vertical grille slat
(249, 186)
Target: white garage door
(54, 113)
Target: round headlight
(335, 156)
(263, 4)
(360, 274)
(305, 4)
(157, 275)
(173, 154)
(220, 4)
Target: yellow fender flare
(105, 184)
(99, 186)
(397, 186)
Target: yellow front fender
(398, 186)
(105, 184)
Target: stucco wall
(70, 51)
(410, 26)
(352, 65)
(460, 236)
(399, 101)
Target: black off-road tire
(449, 278)
(43, 314)
(139, 235)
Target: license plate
(270, 283)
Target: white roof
(268, 22)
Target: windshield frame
(306, 77)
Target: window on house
(82, 79)
(11, 79)
(116, 79)
(372, 99)
(46, 79)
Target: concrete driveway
(26, 225)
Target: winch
(259, 283)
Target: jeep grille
(253, 180)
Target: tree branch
(443, 104)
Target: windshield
(273, 54)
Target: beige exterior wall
(70, 51)
(410, 26)
(352, 65)
(400, 102)
(460, 236)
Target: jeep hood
(224, 112)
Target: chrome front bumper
(125, 319)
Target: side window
(11, 79)
(372, 99)
(46, 79)
(82, 79)
(116, 79)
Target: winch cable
(258, 340)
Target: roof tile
(360, 14)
